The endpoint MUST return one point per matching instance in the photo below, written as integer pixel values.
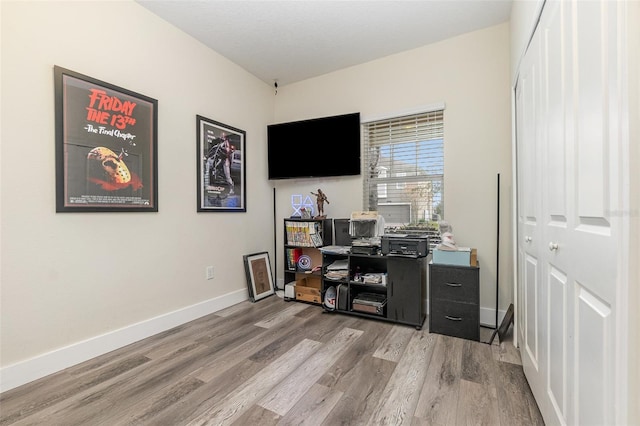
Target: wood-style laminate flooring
(285, 363)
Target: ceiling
(290, 41)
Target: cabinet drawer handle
(453, 318)
(454, 284)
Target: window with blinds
(404, 168)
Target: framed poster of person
(106, 146)
(221, 167)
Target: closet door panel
(556, 87)
(532, 320)
(592, 153)
(555, 28)
(593, 363)
(595, 45)
(530, 151)
(557, 380)
(593, 239)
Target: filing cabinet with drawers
(454, 300)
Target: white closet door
(568, 102)
(597, 137)
(531, 292)
(557, 147)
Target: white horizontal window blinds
(404, 168)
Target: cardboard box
(308, 289)
(461, 257)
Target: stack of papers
(338, 265)
(338, 270)
(366, 242)
(374, 278)
(336, 249)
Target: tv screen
(320, 147)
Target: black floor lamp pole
(275, 244)
(493, 335)
(497, 248)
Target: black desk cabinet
(406, 292)
(454, 301)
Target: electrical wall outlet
(209, 272)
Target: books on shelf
(293, 255)
(303, 234)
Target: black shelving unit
(302, 255)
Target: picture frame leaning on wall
(259, 277)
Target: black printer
(405, 245)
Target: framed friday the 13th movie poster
(106, 146)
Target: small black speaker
(341, 228)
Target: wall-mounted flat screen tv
(319, 147)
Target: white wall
(70, 277)
(524, 16)
(470, 74)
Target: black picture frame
(106, 146)
(259, 277)
(220, 167)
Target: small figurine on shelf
(320, 199)
(305, 214)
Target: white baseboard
(40, 366)
(488, 317)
